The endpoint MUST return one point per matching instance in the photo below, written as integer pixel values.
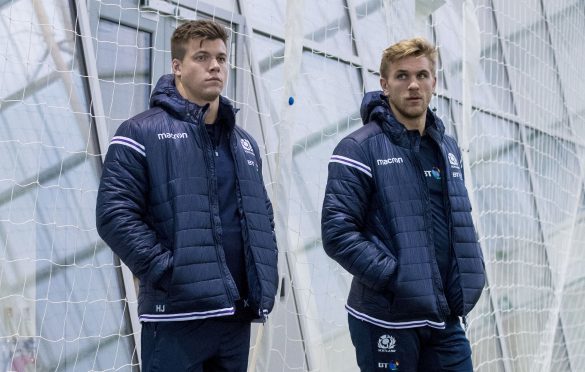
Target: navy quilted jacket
(157, 208)
(376, 223)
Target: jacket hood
(166, 96)
(375, 108)
(374, 105)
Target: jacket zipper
(212, 184)
(447, 202)
(432, 247)
(247, 248)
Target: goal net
(510, 90)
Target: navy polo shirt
(434, 171)
(232, 241)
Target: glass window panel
(575, 275)
(448, 29)
(566, 25)
(572, 320)
(43, 79)
(318, 90)
(60, 292)
(324, 22)
(123, 61)
(532, 70)
(127, 4)
(371, 20)
(327, 24)
(502, 187)
(372, 82)
(269, 53)
(323, 295)
(511, 235)
(400, 15)
(328, 98)
(440, 73)
(514, 16)
(382, 23)
(523, 331)
(494, 81)
(560, 358)
(267, 14)
(442, 108)
(487, 354)
(556, 177)
(330, 93)
(327, 101)
(228, 5)
(573, 300)
(255, 114)
(561, 7)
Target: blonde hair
(414, 47)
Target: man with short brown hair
(397, 216)
(182, 202)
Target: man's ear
(384, 85)
(176, 66)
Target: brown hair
(201, 29)
(415, 47)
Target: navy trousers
(423, 349)
(207, 345)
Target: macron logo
(389, 161)
(172, 135)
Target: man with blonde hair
(397, 216)
(182, 203)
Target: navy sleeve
(349, 186)
(122, 205)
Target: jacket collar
(166, 96)
(375, 108)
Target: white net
(509, 89)
(61, 307)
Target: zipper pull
(263, 315)
(216, 153)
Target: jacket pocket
(165, 280)
(378, 242)
(381, 300)
(390, 298)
